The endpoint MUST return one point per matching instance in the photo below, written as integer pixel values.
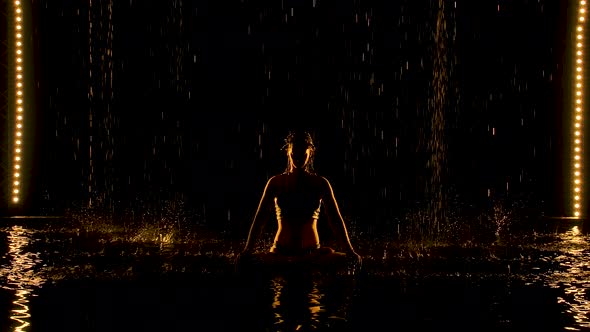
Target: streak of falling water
(100, 96)
(436, 145)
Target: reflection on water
(299, 304)
(573, 277)
(20, 275)
(286, 301)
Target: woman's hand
(355, 258)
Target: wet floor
(72, 282)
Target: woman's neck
(297, 171)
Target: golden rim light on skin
(577, 170)
(307, 155)
(19, 97)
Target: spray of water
(101, 120)
(436, 145)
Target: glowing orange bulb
(15, 199)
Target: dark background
(190, 102)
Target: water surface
(75, 282)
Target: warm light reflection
(572, 276)
(296, 301)
(578, 149)
(21, 276)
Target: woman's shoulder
(277, 180)
(321, 181)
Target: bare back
(297, 202)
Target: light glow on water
(577, 148)
(572, 277)
(21, 277)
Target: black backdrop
(190, 101)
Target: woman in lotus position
(298, 196)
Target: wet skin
(297, 198)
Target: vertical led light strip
(19, 94)
(578, 168)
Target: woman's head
(300, 151)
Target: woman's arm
(334, 217)
(261, 217)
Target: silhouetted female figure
(297, 197)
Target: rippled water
(571, 276)
(70, 281)
(19, 275)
